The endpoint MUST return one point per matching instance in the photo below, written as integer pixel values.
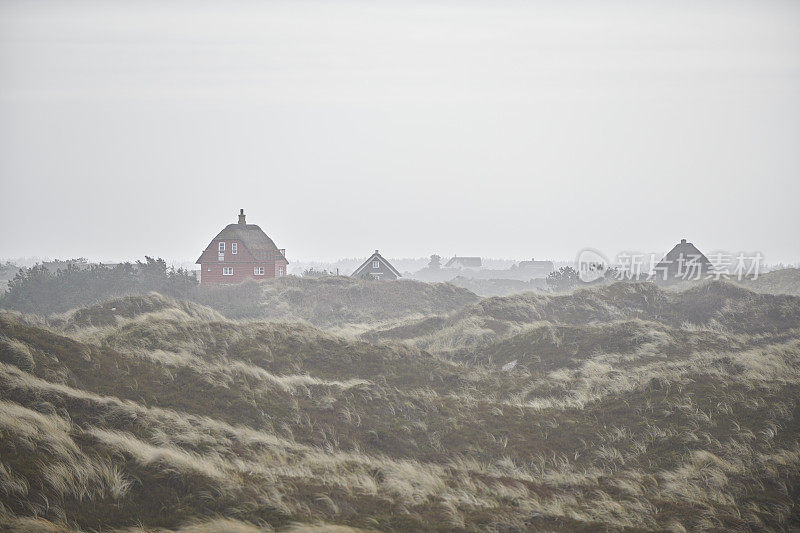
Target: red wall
(242, 263)
(241, 271)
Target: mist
(513, 129)
(348, 266)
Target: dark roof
(683, 255)
(466, 261)
(380, 258)
(251, 237)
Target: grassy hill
(709, 305)
(629, 408)
(334, 300)
(785, 281)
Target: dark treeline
(39, 290)
(46, 290)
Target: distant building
(241, 251)
(64, 264)
(468, 263)
(376, 267)
(535, 269)
(683, 262)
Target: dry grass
(663, 413)
(219, 525)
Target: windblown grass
(629, 407)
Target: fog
(642, 373)
(512, 129)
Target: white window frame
(234, 248)
(227, 271)
(376, 264)
(280, 271)
(222, 247)
(258, 271)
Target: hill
(629, 407)
(500, 287)
(784, 281)
(333, 300)
(708, 305)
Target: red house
(241, 251)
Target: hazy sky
(502, 129)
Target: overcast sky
(501, 129)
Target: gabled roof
(680, 256)
(465, 261)
(380, 258)
(251, 237)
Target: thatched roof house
(241, 251)
(683, 262)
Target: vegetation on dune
(334, 300)
(326, 301)
(116, 311)
(499, 287)
(784, 281)
(714, 304)
(627, 407)
(16, 353)
(218, 525)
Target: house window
(280, 271)
(234, 247)
(221, 256)
(222, 247)
(258, 271)
(227, 271)
(376, 264)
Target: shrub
(564, 279)
(38, 290)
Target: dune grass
(630, 407)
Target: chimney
(241, 217)
(376, 251)
(683, 241)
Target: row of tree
(43, 291)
